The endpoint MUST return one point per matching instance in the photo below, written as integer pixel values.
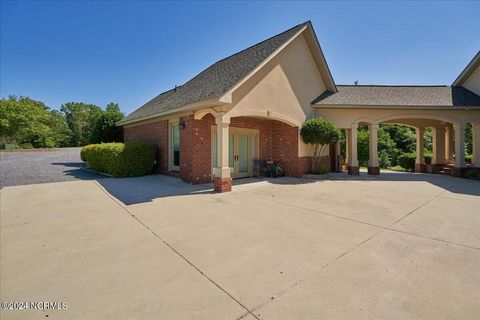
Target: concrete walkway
(400, 246)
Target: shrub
(84, 152)
(427, 155)
(468, 158)
(384, 159)
(407, 161)
(121, 159)
(320, 169)
(320, 133)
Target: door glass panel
(231, 150)
(254, 147)
(243, 153)
(176, 144)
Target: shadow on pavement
(77, 171)
(147, 188)
(452, 184)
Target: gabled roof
(220, 77)
(398, 96)
(469, 69)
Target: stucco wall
(473, 82)
(284, 88)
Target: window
(175, 147)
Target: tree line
(28, 123)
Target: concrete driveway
(398, 246)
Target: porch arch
(266, 115)
(437, 117)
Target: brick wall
(277, 140)
(155, 133)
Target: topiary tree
(320, 133)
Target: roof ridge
(258, 43)
(239, 52)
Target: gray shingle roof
(422, 96)
(217, 79)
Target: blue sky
(128, 52)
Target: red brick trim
(420, 167)
(458, 172)
(374, 171)
(222, 184)
(354, 171)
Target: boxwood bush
(407, 160)
(84, 152)
(121, 159)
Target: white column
(459, 129)
(222, 170)
(353, 146)
(373, 145)
(449, 144)
(419, 146)
(476, 144)
(438, 145)
(348, 146)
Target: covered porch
(240, 140)
(448, 138)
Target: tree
(30, 123)
(320, 133)
(81, 119)
(105, 128)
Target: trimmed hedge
(120, 159)
(407, 161)
(84, 152)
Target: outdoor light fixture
(181, 125)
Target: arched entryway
(237, 141)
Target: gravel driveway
(19, 168)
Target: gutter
(411, 107)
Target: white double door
(242, 150)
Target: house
(251, 105)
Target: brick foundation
(222, 184)
(373, 171)
(420, 167)
(354, 171)
(458, 172)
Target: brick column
(420, 160)
(476, 144)
(353, 168)
(222, 181)
(459, 165)
(373, 167)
